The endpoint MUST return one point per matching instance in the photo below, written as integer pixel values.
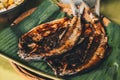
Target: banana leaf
(108, 70)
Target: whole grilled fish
(85, 55)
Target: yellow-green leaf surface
(108, 70)
(111, 9)
(7, 72)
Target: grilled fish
(85, 55)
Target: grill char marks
(67, 63)
(53, 38)
(50, 42)
(42, 35)
(71, 62)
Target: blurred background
(109, 8)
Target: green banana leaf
(108, 70)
